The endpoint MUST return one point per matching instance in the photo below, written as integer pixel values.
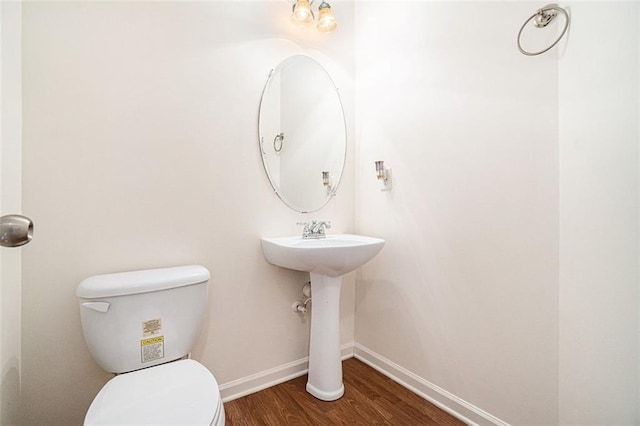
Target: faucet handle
(306, 230)
(320, 227)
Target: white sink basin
(326, 260)
(332, 256)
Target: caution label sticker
(152, 349)
(151, 327)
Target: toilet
(142, 325)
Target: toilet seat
(180, 392)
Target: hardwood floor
(369, 399)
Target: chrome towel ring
(279, 138)
(541, 19)
(278, 141)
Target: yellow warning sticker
(152, 349)
(152, 341)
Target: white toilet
(136, 320)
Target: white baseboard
(274, 376)
(444, 400)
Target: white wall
(464, 294)
(141, 150)
(598, 92)
(10, 203)
(510, 277)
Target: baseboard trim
(274, 376)
(444, 400)
(457, 407)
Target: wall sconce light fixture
(328, 183)
(303, 15)
(383, 174)
(326, 179)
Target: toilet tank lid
(134, 282)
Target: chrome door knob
(15, 230)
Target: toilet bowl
(142, 325)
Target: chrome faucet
(316, 229)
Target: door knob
(15, 230)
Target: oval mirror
(302, 130)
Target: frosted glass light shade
(326, 21)
(302, 14)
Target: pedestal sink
(327, 260)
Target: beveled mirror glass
(302, 130)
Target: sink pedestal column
(325, 360)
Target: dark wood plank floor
(369, 399)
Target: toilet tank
(138, 319)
